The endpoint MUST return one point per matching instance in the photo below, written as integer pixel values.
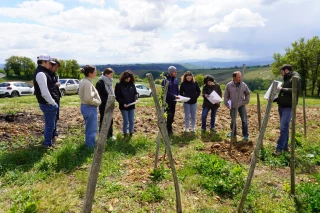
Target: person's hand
(58, 84)
(125, 105)
(279, 88)
(177, 97)
(227, 105)
(206, 95)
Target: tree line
(304, 56)
(23, 67)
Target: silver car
(143, 90)
(69, 86)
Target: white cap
(45, 57)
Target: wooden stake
(304, 115)
(257, 148)
(165, 90)
(97, 158)
(259, 110)
(164, 133)
(293, 132)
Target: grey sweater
(231, 93)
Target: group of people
(190, 88)
(236, 97)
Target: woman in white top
(90, 100)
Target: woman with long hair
(209, 86)
(104, 88)
(126, 94)
(90, 100)
(189, 88)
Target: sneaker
(246, 138)
(276, 153)
(113, 138)
(187, 130)
(193, 129)
(229, 135)
(212, 130)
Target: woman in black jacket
(189, 88)
(209, 86)
(104, 88)
(126, 94)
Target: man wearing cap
(54, 68)
(47, 94)
(284, 101)
(172, 95)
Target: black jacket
(51, 84)
(101, 88)
(285, 96)
(208, 90)
(173, 89)
(190, 89)
(126, 93)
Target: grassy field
(34, 179)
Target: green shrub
(153, 193)
(308, 197)
(219, 175)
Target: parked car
(69, 86)
(13, 89)
(143, 90)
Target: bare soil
(30, 123)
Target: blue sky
(139, 31)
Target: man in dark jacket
(47, 94)
(172, 95)
(284, 101)
(54, 68)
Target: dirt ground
(30, 123)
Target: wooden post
(259, 110)
(293, 132)
(257, 148)
(97, 158)
(234, 118)
(164, 132)
(304, 115)
(165, 90)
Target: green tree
(304, 56)
(20, 66)
(199, 78)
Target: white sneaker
(113, 138)
(187, 130)
(193, 129)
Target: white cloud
(95, 2)
(239, 18)
(32, 9)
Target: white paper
(229, 103)
(137, 101)
(182, 99)
(214, 97)
(266, 96)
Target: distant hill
(220, 63)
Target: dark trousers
(101, 111)
(55, 133)
(170, 110)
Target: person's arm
(42, 82)
(219, 90)
(197, 90)
(99, 88)
(181, 92)
(89, 95)
(246, 95)
(226, 97)
(119, 97)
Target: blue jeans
(128, 118)
(49, 113)
(285, 117)
(204, 115)
(243, 115)
(190, 109)
(90, 115)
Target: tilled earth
(30, 123)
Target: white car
(13, 89)
(69, 86)
(143, 90)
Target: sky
(154, 31)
